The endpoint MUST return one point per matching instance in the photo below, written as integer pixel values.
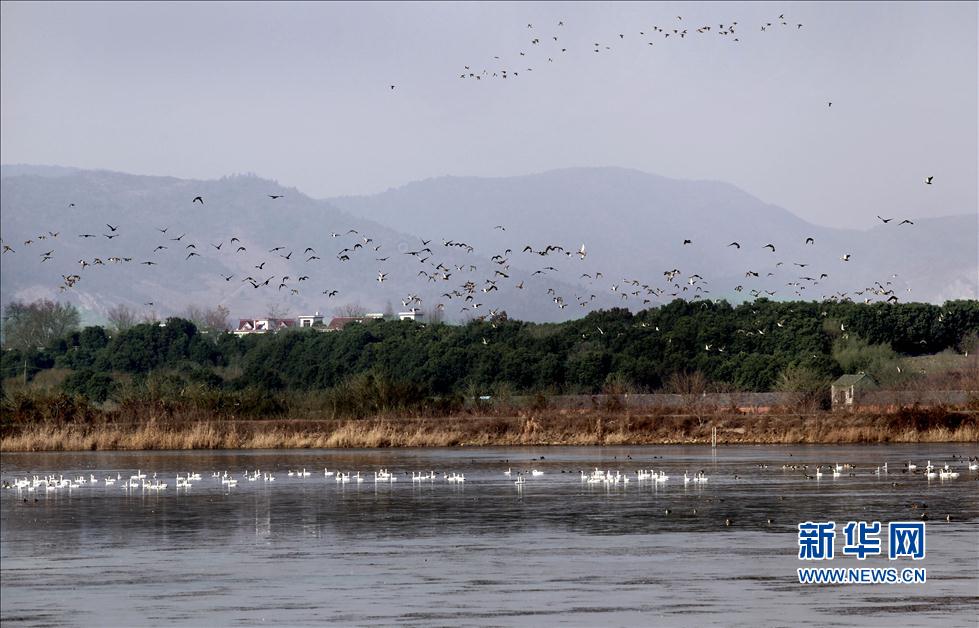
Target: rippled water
(310, 551)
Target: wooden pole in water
(713, 438)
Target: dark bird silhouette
(688, 241)
(218, 246)
(735, 244)
(111, 228)
(275, 196)
(198, 199)
(227, 278)
(240, 249)
(884, 220)
(769, 246)
(905, 222)
(928, 180)
(809, 240)
(192, 254)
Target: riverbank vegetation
(164, 384)
(546, 427)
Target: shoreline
(580, 428)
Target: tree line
(756, 346)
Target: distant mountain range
(635, 224)
(632, 224)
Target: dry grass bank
(575, 427)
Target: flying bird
(928, 180)
(275, 196)
(198, 199)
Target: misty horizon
(300, 93)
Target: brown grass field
(546, 427)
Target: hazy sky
(300, 93)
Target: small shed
(846, 390)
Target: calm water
(300, 551)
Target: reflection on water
(311, 550)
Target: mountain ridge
(632, 223)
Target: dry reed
(548, 427)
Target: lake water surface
(301, 551)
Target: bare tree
(687, 383)
(208, 319)
(351, 310)
(121, 317)
(435, 316)
(29, 326)
(276, 310)
(216, 318)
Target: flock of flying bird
(545, 48)
(471, 285)
(439, 263)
